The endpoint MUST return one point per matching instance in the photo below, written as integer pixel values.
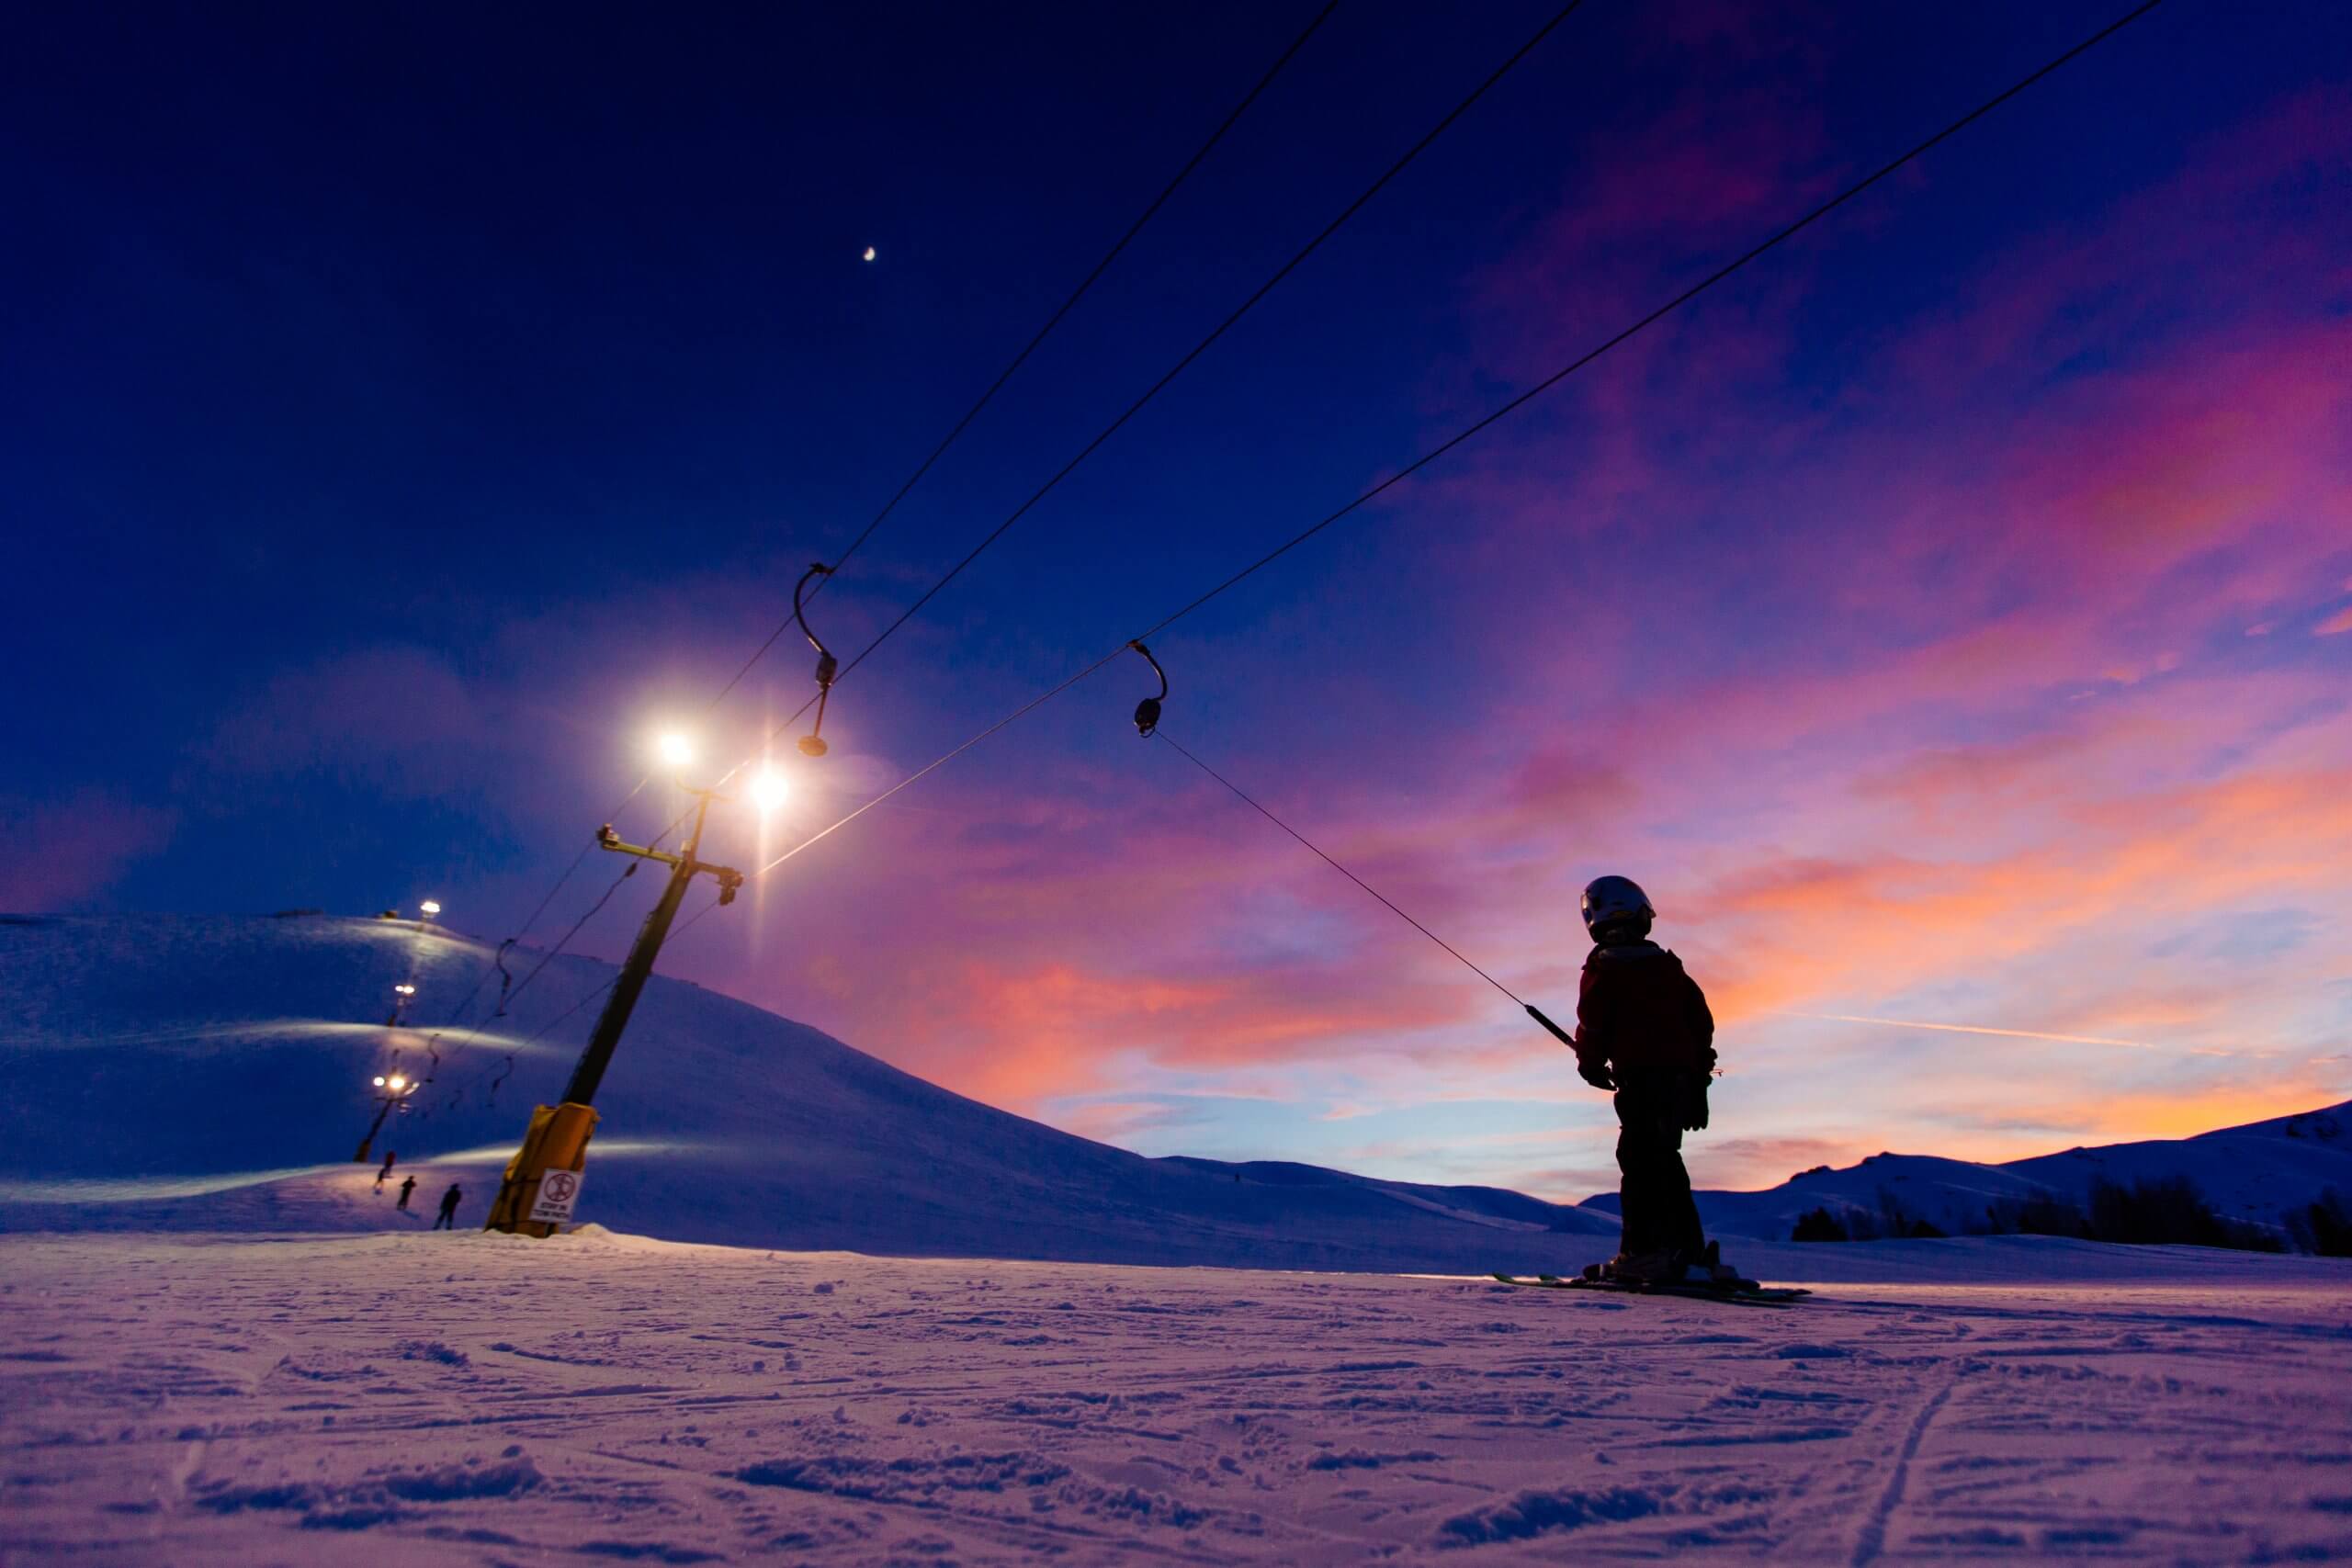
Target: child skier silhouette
(1643, 1031)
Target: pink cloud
(396, 715)
(1966, 724)
(62, 855)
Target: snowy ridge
(207, 1073)
(2256, 1173)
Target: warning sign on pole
(558, 1190)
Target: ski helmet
(1616, 903)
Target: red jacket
(1636, 1009)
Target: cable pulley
(1148, 710)
(814, 743)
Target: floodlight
(396, 1082)
(770, 788)
(430, 908)
(379, 1081)
(676, 749)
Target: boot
(1714, 1270)
(1645, 1268)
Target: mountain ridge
(2256, 1173)
(184, 1072)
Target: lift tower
(557, 1139)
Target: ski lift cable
(459, 1086)
(1721, 274)
(1264, 289)
(498, 966)
(1167, 379)
(696, 919)
(1199, 156)
(498, 1072)
(504, 1067)
(1226, 325)
(577, 862)
(565, 941)
(1147, 726)
(549, 897)
(532, 919)
(455, 1091)
(1258, 806)
(1735, 264)
(1494, 417)
(543, 1030)
(942, 761)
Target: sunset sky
(1948, 619)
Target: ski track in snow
(473, 1399)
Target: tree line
(2169, 1211)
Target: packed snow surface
(221, 1342)
(485, 1400)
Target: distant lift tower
(557, 1138)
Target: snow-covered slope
(210, 1072)
(2256, 1173)
(2251, 1172)
(418, 1401)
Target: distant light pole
(391, 1089)
(425, 911)
(403, 993)
(557, 1137)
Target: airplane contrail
(2007, 1033)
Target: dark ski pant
(448, 1220)
(1655, 1199)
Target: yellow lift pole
(557, 1141)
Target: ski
(1756, 1295)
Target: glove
(1596, 1074)
(1694, 1103)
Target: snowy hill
(421, 1400)
(208, 1073)
(2254, 1173)
(2250, 1172)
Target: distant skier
(448, 1220)
(390, 1156)
(1643, 1031)
(407, 1187)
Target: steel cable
(1511, 406)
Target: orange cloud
(1915, 688)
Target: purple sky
(1949, 621)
